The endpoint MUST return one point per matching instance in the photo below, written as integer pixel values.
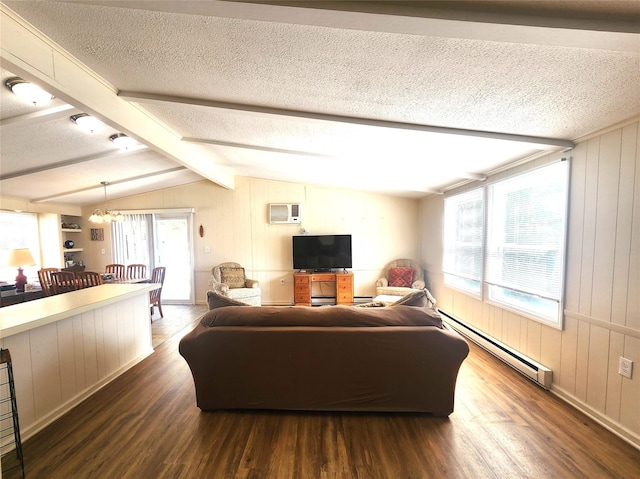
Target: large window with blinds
(505, 242)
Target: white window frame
(549, 309)
(19, 230)
(455, 248)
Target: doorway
(159, 238)
(173, 250)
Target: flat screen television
(322, 252)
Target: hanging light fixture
(28, 91)
(87, 122)
(123, 141)
(106, 216)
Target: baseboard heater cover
(535, 371)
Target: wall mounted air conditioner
(284, 213)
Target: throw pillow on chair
(233, 277)
(401, 276)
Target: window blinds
(463, 234)
(526, 229)
(517, 257)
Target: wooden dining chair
(44, 275)
(63, 282)
(135, 271)
(157, 276)
(87, 279)
(117, 270)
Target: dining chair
(87, 279)
(63, 282)
(44, 275)
(157, 276)
(117, 270)
(135, 271)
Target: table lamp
(18, 258)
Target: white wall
(602, 307)
(236, 228)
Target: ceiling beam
(72, 162)
(41, 116)
(267, 149)
(111, 183)
(503, 23)
(544, 143)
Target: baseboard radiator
(535, 371)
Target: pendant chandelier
(106, 216)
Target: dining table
(108, 278)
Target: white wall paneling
(236, 228)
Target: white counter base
(65, 347)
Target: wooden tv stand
(303, 282)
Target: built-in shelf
(69, 257)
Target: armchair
(401, 277)
(229, 279)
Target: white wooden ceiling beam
(36, 117)
(544, 143)
(477, 25)
(72, 162)
(111, 183)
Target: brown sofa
(341, 358)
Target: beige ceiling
(405, 98)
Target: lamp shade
(20, 257)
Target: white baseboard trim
(622, 432)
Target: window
(524, 248)
(463, 233)
(133, 240)
(159, 238)
(19, 230)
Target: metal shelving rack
(9, 425)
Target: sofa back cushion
(415, 298)
(327, 316)
(215, 300)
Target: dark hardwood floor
(145, 424)
(176, 318)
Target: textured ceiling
(404, 98)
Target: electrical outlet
(626, 367)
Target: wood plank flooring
(176, 318)
(146, 425)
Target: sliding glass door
(159, 238)
(173, 250)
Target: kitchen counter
(66, 347)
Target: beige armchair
(229, 279)
(401, 277)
